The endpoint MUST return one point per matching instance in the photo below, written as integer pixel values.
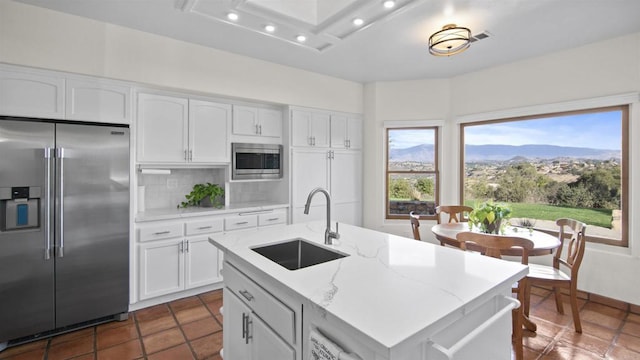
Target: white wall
(38, 37)
(592, 71)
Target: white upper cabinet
(162, 128)
(346, 132)
(252, 121)
(31, 94)
(179, 130)
(98, 100)
(209, 124)
(309, 129)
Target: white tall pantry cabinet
(321, 157)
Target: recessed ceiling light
(269, 28)
(301, 38)
(389, 4)
(358, 21)
(232, 16)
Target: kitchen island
(390, 298)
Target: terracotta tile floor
(191, 328)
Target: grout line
(137, 324)
(614, 341)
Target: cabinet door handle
(314, 141)
(186, 155)
(247, 295)
(257, 131)
(244, 325)
(181, 247)
(190, 155)
(161, 232)
(260, 129)
(186, 246)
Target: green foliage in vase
(488, 216)
(201, 192)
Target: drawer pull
(273, 219)
(162, 232)
(247, 295)
(205, 227)
(450, 352)
(242, 223)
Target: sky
(590, 130)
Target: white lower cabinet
(251, 338)
(257, 325)
(177, 256)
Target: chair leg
(527, 299)
(573, 299)
(516, 337)
(558, 294)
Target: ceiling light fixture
(269, 28)
(389, 4)
(449, 41)
(232, 16)
(358, 22)
(301, 38)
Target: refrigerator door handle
(47, 221)
(60, 155)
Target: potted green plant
(205, 195)
(489, 216)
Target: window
(571, 164)
(412, 178)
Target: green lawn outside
(595, 217)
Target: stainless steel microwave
(256, 161)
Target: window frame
(624, 162)
(435, 172)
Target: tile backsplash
(168, 191)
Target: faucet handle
(337, 236)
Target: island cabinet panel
(259, 325)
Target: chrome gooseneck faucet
(328, 234)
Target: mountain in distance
(479, 153)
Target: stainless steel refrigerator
(64, 226)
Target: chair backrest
(572, 231)
(457, 213)
(492, 245)
(415, 225)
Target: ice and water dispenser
(19, 207)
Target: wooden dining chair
(415, 225)
(564, 272)
(457, 213)
(493, 245)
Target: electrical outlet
(172, 183)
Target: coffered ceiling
(389, 43)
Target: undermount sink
(297, 253)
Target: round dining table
(543, 243)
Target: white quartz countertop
(174, 213)
(390, 287)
